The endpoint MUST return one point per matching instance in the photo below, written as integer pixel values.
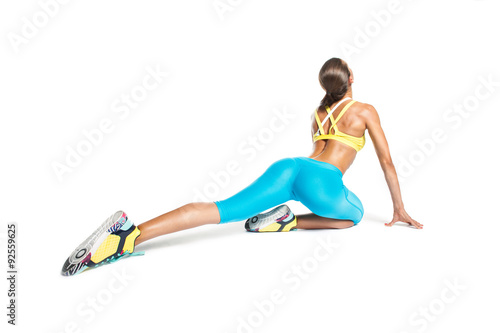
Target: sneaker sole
(276, 215)
(78, 260)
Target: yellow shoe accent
(291, 225)
(271, 228)
(130, 241)
(276, 226)
(107, 248)
(113, 240)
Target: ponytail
(329, 99)
(334, 78)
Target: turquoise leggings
(317, 185)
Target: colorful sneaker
(112, 241)
(278, 219)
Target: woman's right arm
(382, 149)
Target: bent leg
(188, 216)
(320, 188)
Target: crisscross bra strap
(320, 125)
(334, 123)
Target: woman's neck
(348, 93)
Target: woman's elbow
(386, 163)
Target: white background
(227, 76)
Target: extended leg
(270, 189)
(313, 221)
(188, 216)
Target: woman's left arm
(382, 149)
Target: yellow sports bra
(352, 141)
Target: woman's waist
(322, 163)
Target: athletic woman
(338, 133)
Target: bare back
(353, 122)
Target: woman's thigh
(272, 188)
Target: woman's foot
(113, 240)
(278, 219)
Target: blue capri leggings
(317, 185)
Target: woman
(315, 181)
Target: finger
(390, 224)
(416, 224)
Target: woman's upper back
(334, 132)
(342, 133)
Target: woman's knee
(193, 207)
(201, 209)
(357, 207)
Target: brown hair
(334, 78)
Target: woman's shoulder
(365, 110)
(364, 106)
(367, 113)
(360, 108)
